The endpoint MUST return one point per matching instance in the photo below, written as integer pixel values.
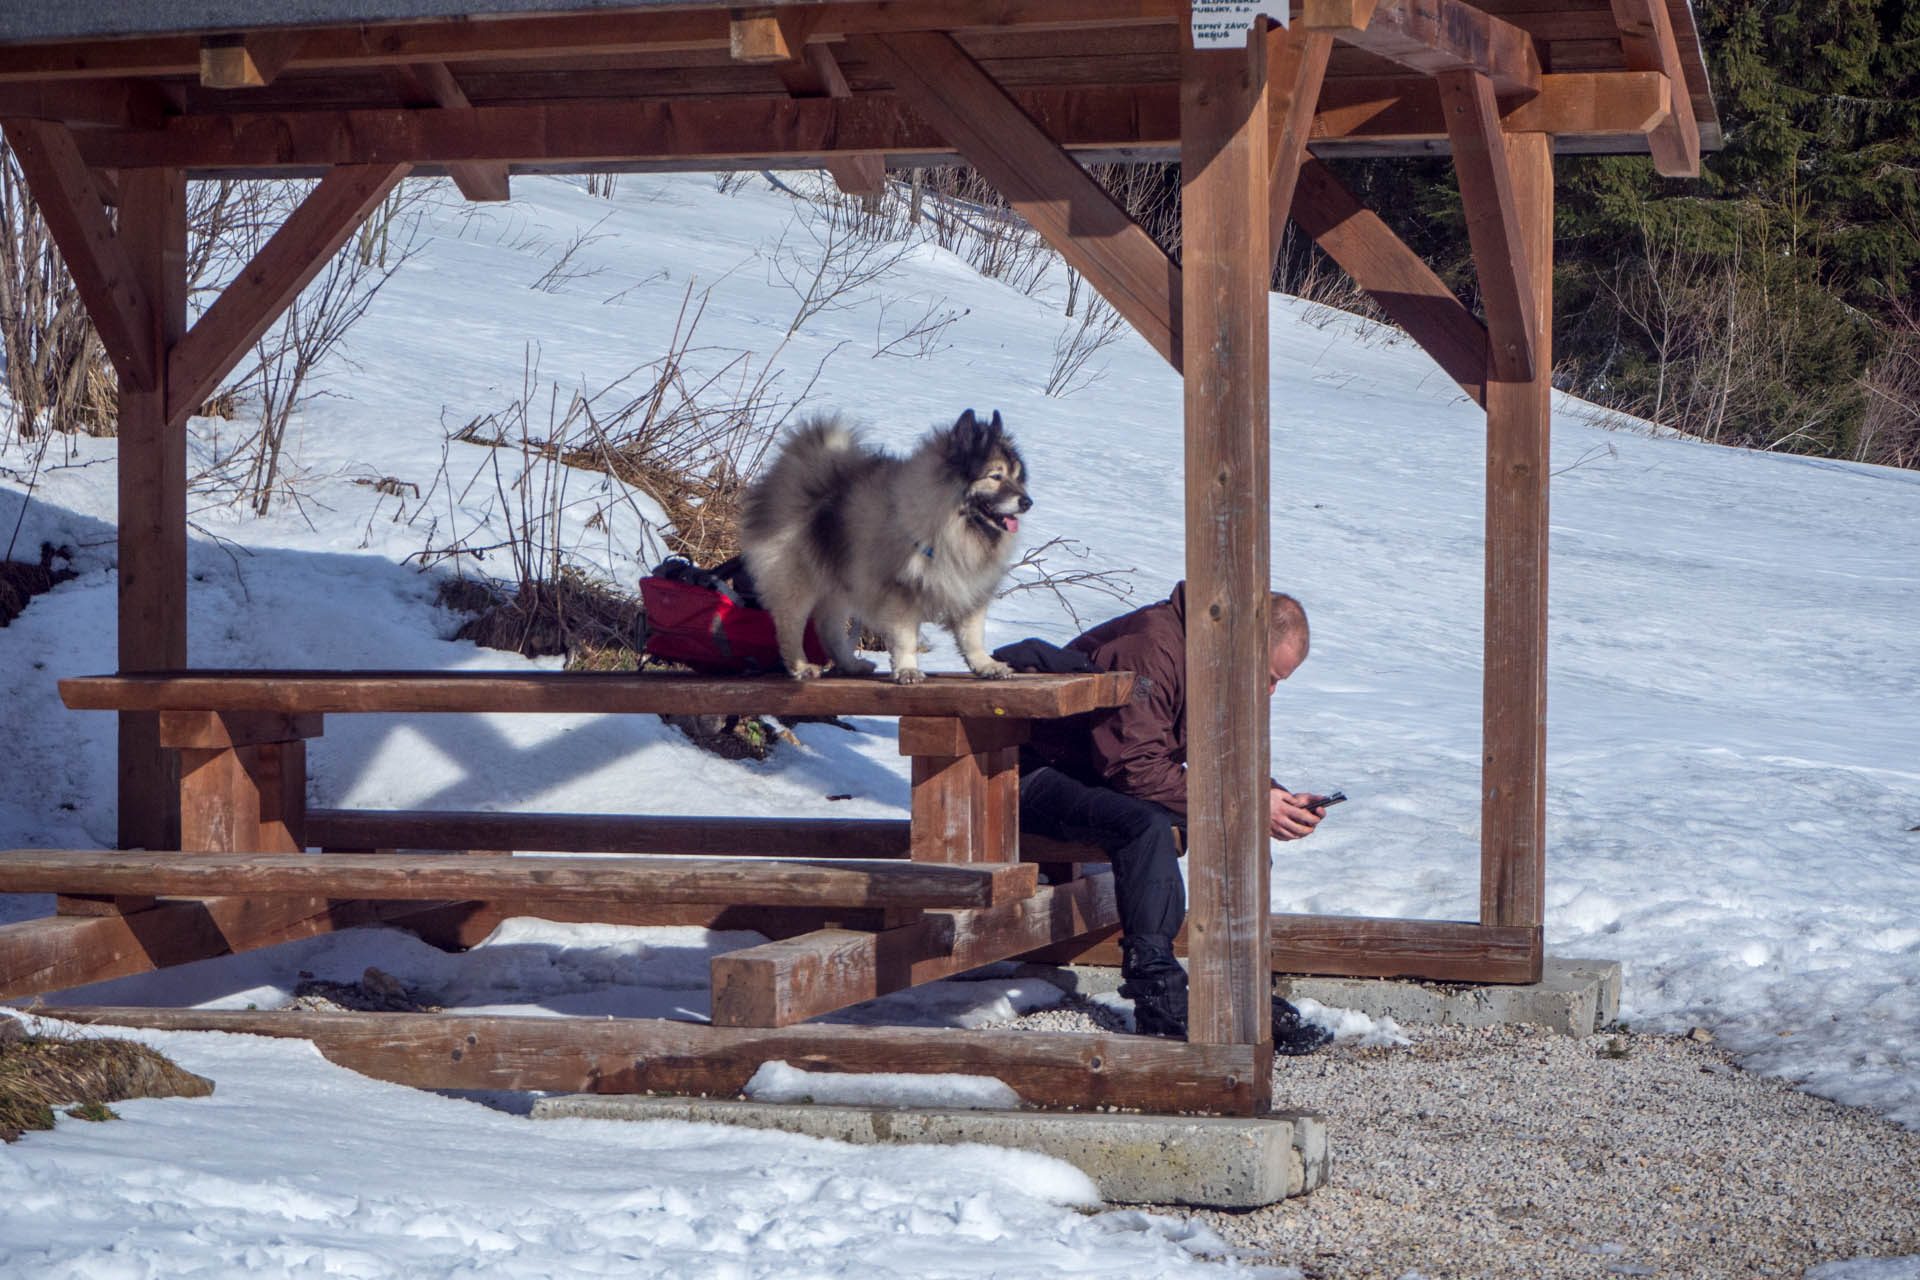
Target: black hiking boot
(1156, 984)
(1293, 1037)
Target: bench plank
(550, 692)
(396, 877)
(607, 833)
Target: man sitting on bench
(1117, 778)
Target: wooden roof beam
(1296, 67)
(249, 60)
(572, 35)
(716, 129)
(766, 35)
(1432, 37)
(1646, 38)
(816, 74)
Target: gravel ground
(1513, 1152)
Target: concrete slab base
(1221, 1162)
(1574, 997)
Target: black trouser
(1138, 837)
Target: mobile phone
(1324, 801)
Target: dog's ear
(995, 426)
(966, 422)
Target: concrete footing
(1574, 997)
(1221, 1162)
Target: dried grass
(41, 1072)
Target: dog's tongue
(1010, 523)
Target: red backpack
(702, 619)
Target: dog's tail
(810, 470)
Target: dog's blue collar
(926, 550)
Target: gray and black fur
(838, 532)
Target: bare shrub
(1033, 572)
(828, 257)
(289, 355)
(912, 329)
(1891, 433)
(56, 370)
(565, 266)
(1077, 344)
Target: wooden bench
(876, 905)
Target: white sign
(1223, 24)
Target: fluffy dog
(836, 531)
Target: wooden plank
(633, 1055)
(1143, 120)
(593, 693)
(1406, 288)
(1368, 947)
(607, 833)
(1514, 702)
(570, 36)
(456, 926)
(269, 283)
(1433, 37)
(948, 802)
(1297, 61)
(424, 877)
(951, 736)
(1041, 181)
(1647, 41)
(151, 585)
(781, 983)
(57, 953)
(1225, 176)
(477, 182)
(214, 730)
(112, 104)
(1493, 224)
(76, 217)
(248, 60)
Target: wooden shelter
(111, 108)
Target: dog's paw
(908, 675)
(858, 667)
(992, 669)
(805, 670)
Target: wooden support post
(1493, 223)
(1075, 214)
(966, 786)
(153, 503)
(1513, 778)
(1296, 65)
(949, 808)
(247, 61)
(1647, 41)
(1224, 176)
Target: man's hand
(1288, 816)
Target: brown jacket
(1141, 748)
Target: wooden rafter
(76, 216)
(1393, 275)
(766, 35)
(1500, 252)
(1594, 104)
(266, 285)
(1047, 186)
(480, 182)
(1297, 64)
(1433, 36)
(1647, 41)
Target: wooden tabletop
(1021, 696)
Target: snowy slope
(1734, 751)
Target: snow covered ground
(1734, 769)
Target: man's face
(1281, 663)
